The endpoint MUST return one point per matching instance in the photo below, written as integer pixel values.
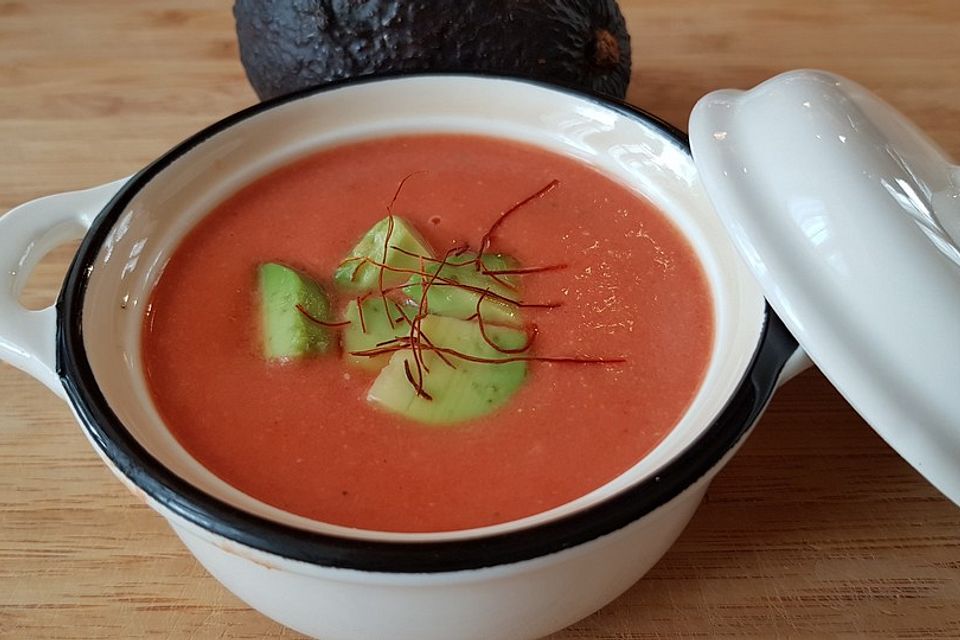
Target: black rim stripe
(115, 441)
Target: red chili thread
(424, 258)
(487, 237)
(522, 271)
(363, 325)
(422, 335)
(483, 333)
(418, 387)
(386, 240)
(503, 283)
(415, 334)
(372, 353)
(440, 281)
(386, 244)
(415, 326)
(322, 323)
(416, 341)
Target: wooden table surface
(816, 529)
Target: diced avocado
(469, 390)
(375, 329)
(356, 276)
(448, 300)
(287, 332)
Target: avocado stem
(606, 49)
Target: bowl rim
(169, 491)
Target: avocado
(291, 304)
(445, 299)
(375, 329)
(454, 394)
(286, 45)
(356, 276)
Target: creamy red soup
(302, 435)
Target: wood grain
(815, 530)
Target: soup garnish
(294, 309)
(445, 333)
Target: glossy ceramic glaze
(849, 217)
(519, 580)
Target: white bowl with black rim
(522, 579)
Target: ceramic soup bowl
(523, 579)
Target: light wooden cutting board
(815, 530)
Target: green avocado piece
(447, 300)
(375, 329)
(356, 277)
(469, 390)
(287, 332)
(286, 45)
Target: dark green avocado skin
(286, 45)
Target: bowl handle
(27, 234)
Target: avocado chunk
(286, 45)
(356, 276)
(462, 392)
(287, 331)
(375, 329)
(446, 299)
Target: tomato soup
(302, 435)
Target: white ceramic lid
(849, 217)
